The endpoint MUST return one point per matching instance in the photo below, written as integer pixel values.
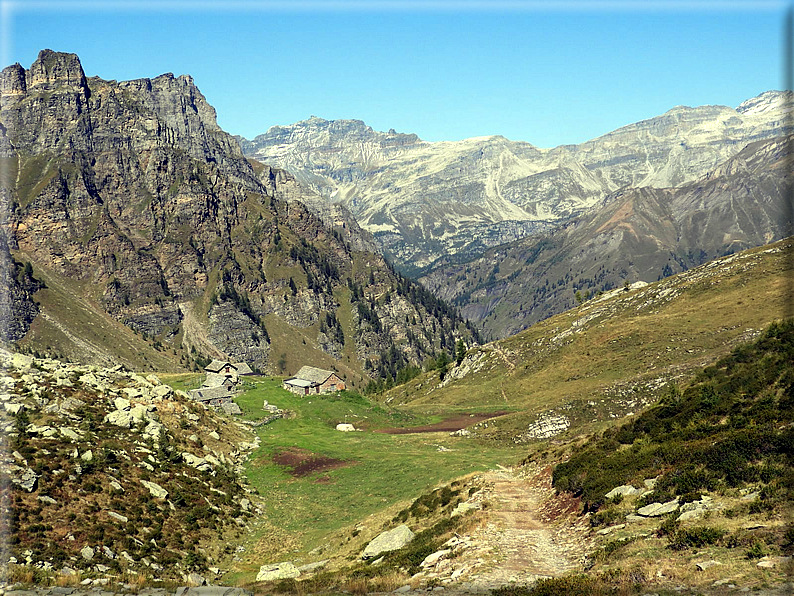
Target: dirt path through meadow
(526, 536)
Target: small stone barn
(243, 369)
(314, 381)
(219, 370)
(212, 396)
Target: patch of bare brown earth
(302, 462)
(451, 424)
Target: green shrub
(695, 537)
(605, 518)
(756, 551)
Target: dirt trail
(501, 353)
(526, 535)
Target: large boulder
(658, 509)
(388, 541)
(156, 490)
(624, 491)
(275, 571)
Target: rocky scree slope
(111, 472)
(426, 200)
(637, 234)
(131, 197)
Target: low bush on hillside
(696, 537)
(730, 426)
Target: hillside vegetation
(714, 456)
(612, 355)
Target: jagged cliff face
(131, 196)
(637, 234)
(427, 200)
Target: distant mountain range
(636, 234)
(425, 201)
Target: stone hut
(243, 369)
(212, 396)
(314, 381)
(218, 370)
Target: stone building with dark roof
(314, 381)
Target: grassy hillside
(334, 491)
(613, 354)
(719, 449)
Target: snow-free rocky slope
(636, 234)
(425, 200)
(160, 243)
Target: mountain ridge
(400, 193)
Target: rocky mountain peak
(768, 101)
(52, 70)
(12, 81)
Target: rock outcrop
(134, 201)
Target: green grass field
(376, 471)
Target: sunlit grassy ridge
(730, 427)
(609, 357)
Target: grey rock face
(388, 541)
(635, 233)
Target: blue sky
(544, 72)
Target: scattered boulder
(275, 571)
(431, 559)
(658, 509)
(464, 508)
(194, 461)
(194, 579)
(69, 433)
(13, 409)
(345, 428)
(388, 541)
(312, 566)
(212, 591)
(624, 491)
(231, 408)
(610, 529)
(122, 404)
(162, 391)
(156, 490)
(703, 565)
(771, 562)
(87, 553)
(120, 418)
